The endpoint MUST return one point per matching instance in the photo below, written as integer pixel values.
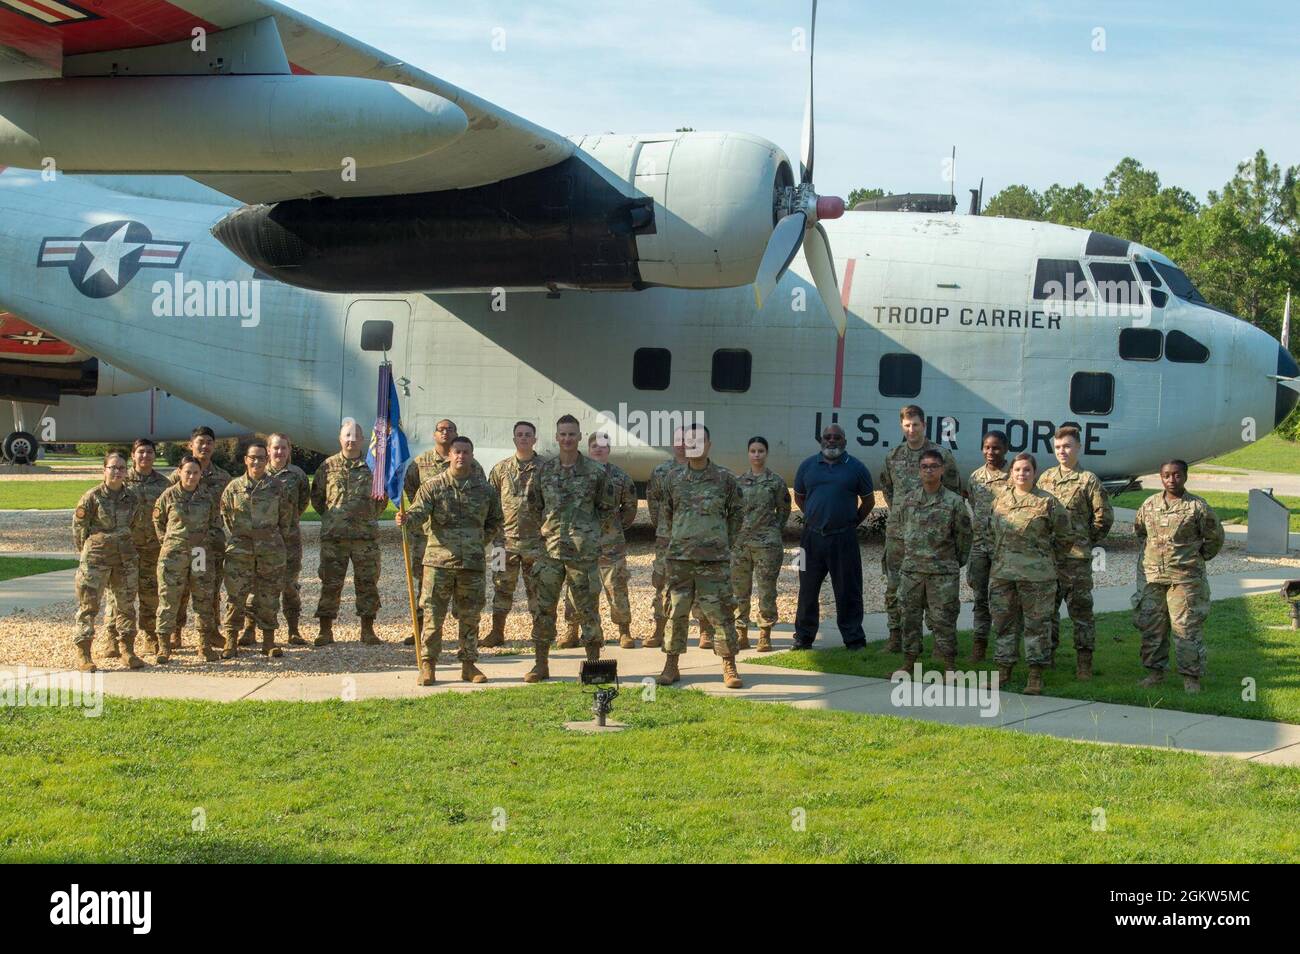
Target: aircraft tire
(20, 447)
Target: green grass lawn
(1231, 508)
(1238, 641)
(13, 567)
(1271, 453)
(694, 778)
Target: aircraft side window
(1141, 344)
(1185, 349)
(900, 375)
(1060, 279)
(1092, 392)
(731, 370)
(376, 336)
(651, 369)
(1115, 283)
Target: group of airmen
(1026, 539)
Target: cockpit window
(1115, 283)
(1185, 349)
(1060, 279)
(1152, 281)
(1180, 284)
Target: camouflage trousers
(1027, 601)
(92, 580)
(749, 560)
(146, 593)
(659, 579)
(334, 557)
(1182, 607)
(614, 580)
(419, 540)
(937, 596)
(1074, 588)
(890, 564)
(506, 581)
(178, 577)
(583, 577)
(977, 578)
(705, 585)
(215, 554)
(290, 594)
(445, 587)
(258, 578)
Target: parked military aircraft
(391, 215)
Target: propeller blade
(806, 140)
(817, 252)
(780, 252)
(1292, 383)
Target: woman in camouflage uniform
(758, 550)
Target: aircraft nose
(1287, 396)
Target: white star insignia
(109, 255)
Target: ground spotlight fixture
(603, 674)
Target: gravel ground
(44, 638)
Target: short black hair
(462, 439)
(1000, 437)
(567, 419)
(143, 442)
(256, 442)
(758, 440)
(528, 424)
(203, 431)
(931, 454)
(190, 459)
(1175, 462)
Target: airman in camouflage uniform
(461, 513)
(214, 480)
(186, 518)
(614, 576)
(349, 520)
(257, 513)
(520, 539)
(705, 510)
(148, 485)
(1031, 535)
(1178, 532)
(104, 525)
(297, 487)
(900, 475)
(658, 574)
(983, 487)
(936, 543)
(569, 498)
(1091, 516)
(758, 548)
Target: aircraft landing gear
(20, 447)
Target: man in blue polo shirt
(835, 494)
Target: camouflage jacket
(106, 523)
(704, 511)
(983, 487)
(1031, 535)
(767, 508)
(1176, 539)
(214, 480)
(460, 517)
(570, 504)
(613, 541)
(148, 489)
(936, 532)
(340, 493)
(654, 493)
(256, 514)
(184, 519)
(1084, 500)
(901, 475)
(511, 479)
(427, 466)
(297, 487)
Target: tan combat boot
(269, 648)
(1153, 679)
(150, 643)
(326, 632)
(909, 661)
(742, 637)
(625, 640)
(1004, 674)
(207, 648)
(427, 677)
(706, 635)
(670, 674)
(1034, 687)
(979, 650)
(295, 637)
(731, 678)
(231, 648)
(368, 632)
(85, 662)
(174, 640)
(895, 643)
(497, 637)
(128, 653)
(570, 638)
(111, 651)
(1192, 684)
(593, 650)
(249, 636)
(471, 673)
(657, 640)
(541, 670)
(1083, 665)
(765, 639)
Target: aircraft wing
(41, 39)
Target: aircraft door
(375, 329)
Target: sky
(1028, 91)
